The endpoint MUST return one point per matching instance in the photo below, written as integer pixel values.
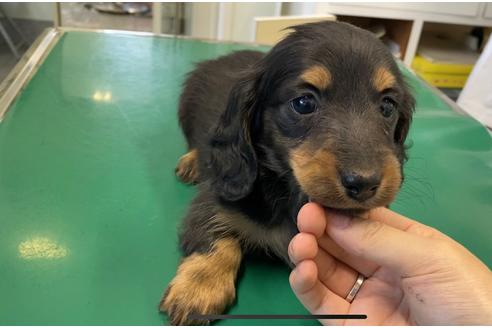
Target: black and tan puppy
(322, 116)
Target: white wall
(30, 10)
(236, 20)
(299, 8)
(201, 19)
(227, 21)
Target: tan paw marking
(204, 284)
(187, 169)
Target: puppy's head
(327, 108)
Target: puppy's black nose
(359, 187)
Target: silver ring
(355, 289)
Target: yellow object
(442, 74)
(270, 30)
(444, 80)
(422, 64)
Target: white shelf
(470, 13)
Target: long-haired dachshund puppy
(323, 117)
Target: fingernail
(339, 221)
(289, 249)
(293, 277)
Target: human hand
(414, 273)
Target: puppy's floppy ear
(232, 159)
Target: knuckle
(371, 231)
(445, 249)
(329, 270)
(441, 246)
(444, 254)
(423, 231)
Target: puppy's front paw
(184, 297)
(187, 169)
(204, 284)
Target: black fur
(231, 112)
(235, 112)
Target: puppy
(323, 117)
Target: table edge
(26, 67)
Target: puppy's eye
(388, 106)
(304, 105)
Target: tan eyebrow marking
(318, 76)
(383, 79)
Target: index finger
(401, 222)
(312, 218)
(389, 217)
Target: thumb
(380, 243)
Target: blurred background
(441, 42)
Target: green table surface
(89, 204)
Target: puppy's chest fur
(272, 239)
(265, 219)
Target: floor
(31, 29)
(7, 61)
(73, 15)
(77, 14)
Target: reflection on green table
(89, 203)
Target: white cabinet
(416, 14)
(450, 8)
(466, 13)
